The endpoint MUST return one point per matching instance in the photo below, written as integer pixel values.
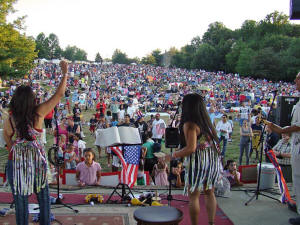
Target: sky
(137, 27)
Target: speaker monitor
(171, 137)
(284, 109)
(294, 9)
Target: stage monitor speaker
(171, 137)
(284, 109)
(294, 9)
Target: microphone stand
(58, 161)
(170, 196)
(261, 139)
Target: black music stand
(126, 191)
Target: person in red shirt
(48, 121)
(102, 106)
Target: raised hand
(64, 67)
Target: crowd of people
(123, 95)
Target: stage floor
(264, 211)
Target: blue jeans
(21, 201)
(224, 139)
(244, 147)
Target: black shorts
(48, 123)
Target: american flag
(139, 113)
(130, 158)
(160, 128)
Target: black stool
(158, 215)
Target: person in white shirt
(158, 128)
(81, 146)
(244, 113)
(223, 128)
(131, 110)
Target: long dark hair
(194, 110)
(23, 109)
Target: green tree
(215, 33)
(158, 57)
(205, 58)
(80, 55)
(247, 30)
(69, 52)
(232, 57)
(17, 51)
(119, 57)
(42, 46)
(245, 62)
(73, 53)
(54, 48)
(266, 64)
(98, 58)
(149, 60)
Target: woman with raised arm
(27, 162)
(199, 145)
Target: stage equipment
(126, 191)
(294, 9)
(172, 141)
(171, 137)
(258, 191)
(57, 161)
(283, 115)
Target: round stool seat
(158, 215)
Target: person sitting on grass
(231, 173)
(89, 171)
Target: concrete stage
(264, 211)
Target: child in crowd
(89, 171)
(177, 174)
(231, 173)
(108, 117)
(70, 158)
(160, 170)
(81, 146)
(93, 123)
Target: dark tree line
(49, 48)
(267, 49)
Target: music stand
(258, 191)
(124, 195)
(126, 191)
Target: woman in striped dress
(27, 161)
(199, 144)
